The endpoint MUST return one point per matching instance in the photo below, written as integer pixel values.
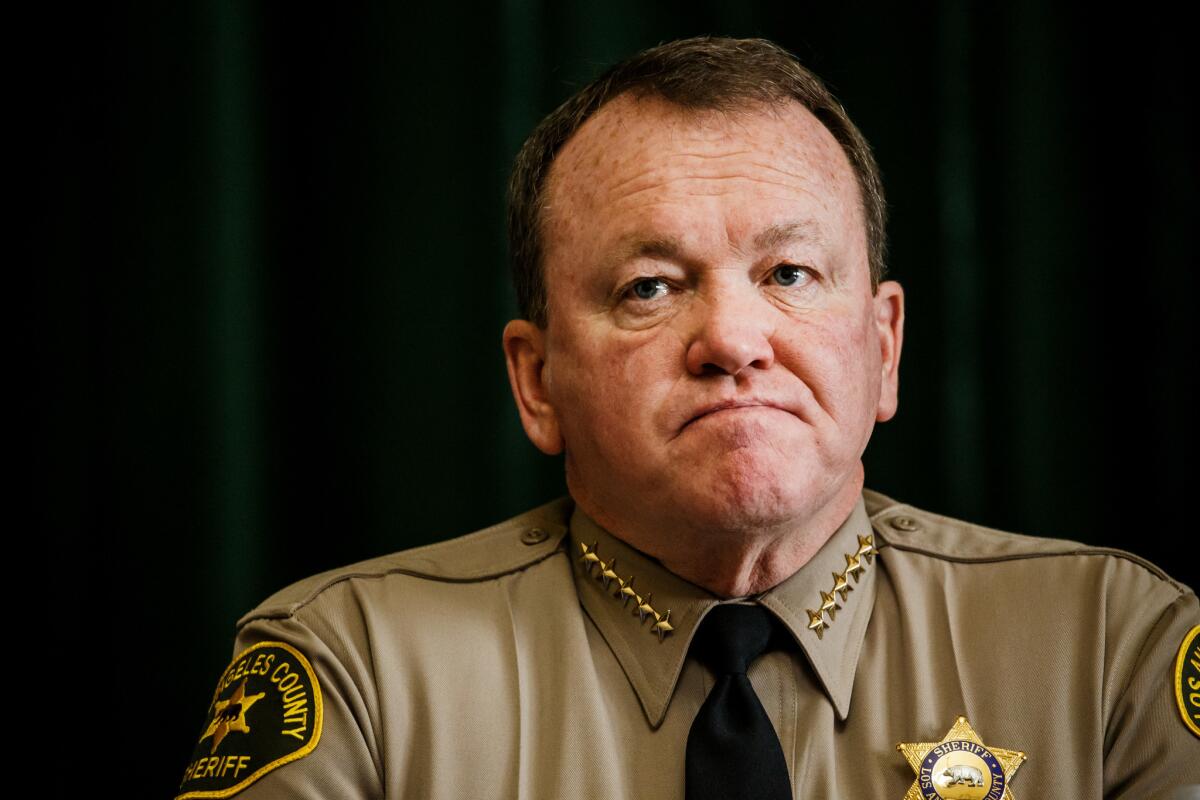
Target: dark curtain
(274, 283)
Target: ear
(525, 355)
(889, 322)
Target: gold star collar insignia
(622, 589)
(866, 547)
(960, 767)
(841, 586)
(855, 567)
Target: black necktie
(732, 750)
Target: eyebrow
(786, 233)
(657, 247)
(671, 247)
(664, 247)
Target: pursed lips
(731, 404)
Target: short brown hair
(700, 74)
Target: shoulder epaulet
(906, 527)
(503, 548)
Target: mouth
(728, 405)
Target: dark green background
(275, 282)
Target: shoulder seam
(883, 513)
(289, 610)
(433, 547)
(484, 554)
(1083, 550)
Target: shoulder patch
(1187, 680)
(266, 712)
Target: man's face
(714, 356)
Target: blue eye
(789, 275)
(648, 288)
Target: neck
(736, 562)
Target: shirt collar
(648, 615)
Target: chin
(743, 500)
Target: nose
(733, 332)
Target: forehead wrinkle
(805, 175)
(650, 178)
(790, 178)
(769, 173)
(727, 185)
(659, 167)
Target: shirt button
(534, 536)
(904, 524)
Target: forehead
(640, 160)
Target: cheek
(860, 363)
(648, 363)
(615, 382)
(859, 352)
(838, 357)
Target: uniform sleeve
(291, 718)
(1150, 752)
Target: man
(719, 608)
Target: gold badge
(266, 712)
(960, 767)
(1187, 680)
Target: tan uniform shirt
(543, 658)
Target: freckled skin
(734, 500)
